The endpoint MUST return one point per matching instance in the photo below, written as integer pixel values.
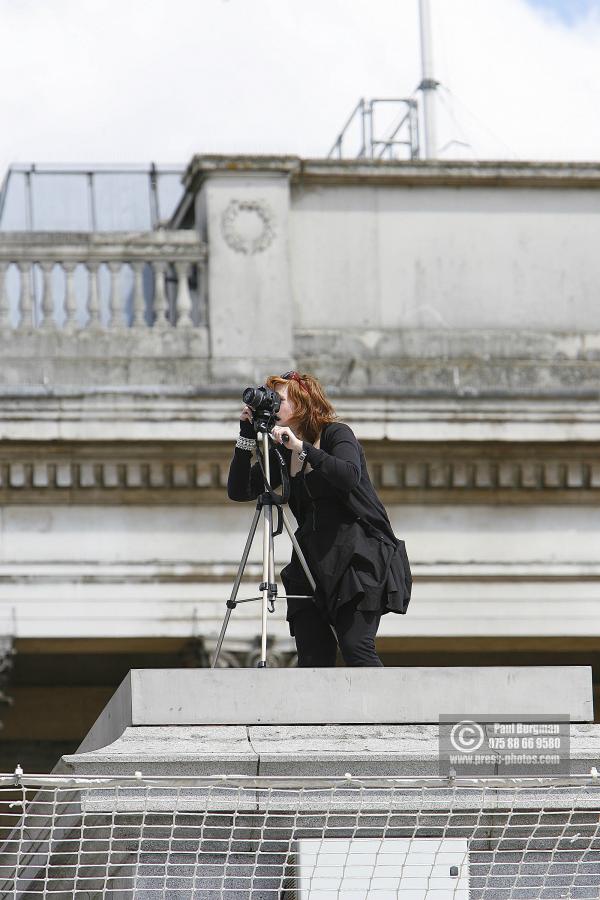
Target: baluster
(4, 308)
(202, 298)
(93, 298)
(184, 298)
(25, 302)
(161, 302)
(137, 310)
(70, 302)
(113, 298)
(46, 305)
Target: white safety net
(274, 838)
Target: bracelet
(245, 443)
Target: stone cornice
(171, 415)
(453, 173)
(414, 173)
(202, 165)
(189, 473)
(224, 571)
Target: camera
(265, 404)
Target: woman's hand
(292, 442)
(246, 415)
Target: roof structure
(99, 197)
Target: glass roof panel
(60, 203)
(170, 192)
(122, 201)
(13, 203)
(84, 198)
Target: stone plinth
(297, 723)
(318, 721)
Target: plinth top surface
(363, 696)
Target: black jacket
(344, 530)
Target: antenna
(428, 83)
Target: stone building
(449, 308)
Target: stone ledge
(177, 413)
(442, 344)
(88, 347)
(100, 247)
(294, 751)
(460, 364)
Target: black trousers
(355, 632)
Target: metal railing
(378, 139)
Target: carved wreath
(239, 242)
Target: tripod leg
(215, 658)
(298, 550)
(272, 554)
(236, 584)
(268, 564)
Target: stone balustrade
(64, 281)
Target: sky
(569, 11)
(159, 80)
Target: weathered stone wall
(449, 309)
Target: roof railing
(376, 139)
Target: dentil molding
(190, 473)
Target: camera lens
(252, 397)
(262, 400)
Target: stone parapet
(75, 281)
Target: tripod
(268, 587)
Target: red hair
(312, 409)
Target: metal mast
(428, 84)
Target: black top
(344, 530)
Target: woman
(360, 568)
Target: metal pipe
(340, 137)
(428, 83)
(154, 204)
(29, 199)
(4, 193)
(91, 201)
